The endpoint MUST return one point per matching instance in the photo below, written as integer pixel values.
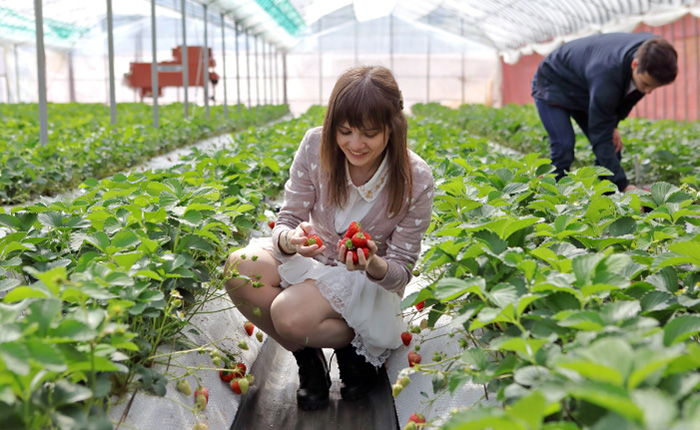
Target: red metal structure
(170, 72)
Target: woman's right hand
(297, 239)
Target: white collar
(371, 189)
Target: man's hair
(659, 59)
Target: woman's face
(363, 147)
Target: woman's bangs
(362, 109)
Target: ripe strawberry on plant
(416, 418)
(406, 338)
(271, 224)
(238, 370)
(353, 228)
(249, 327)
(413, 358)
(201, 397)
(420, 305)
(314, 239)
(226, 375)
(359, 239)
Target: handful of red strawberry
(355, 241)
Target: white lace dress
(370, 310)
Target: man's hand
(630, 187)
(617, 141)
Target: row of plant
(575, 308)
(83, 144)
(654, 150)
(92, 285)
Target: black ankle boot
(359, 376)
(314, 379)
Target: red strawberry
(249, 327)
(271, 224)
(226, 375)
(359, 240)
(365, 251)
(352, 229)
(420, 305)
(413, 358)
(406, 338)
(314, 240)
(355, 259)
(238, 370)
(416, 418)
(201, 396)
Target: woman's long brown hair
(368, 97)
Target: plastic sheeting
(655, 17)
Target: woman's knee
(289, 320)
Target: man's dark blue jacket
(592, 75)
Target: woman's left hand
(345, 256)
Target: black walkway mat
(271, 402)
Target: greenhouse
(392, 215)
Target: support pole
(238, 73)
(257, 72)
(284, 77)
(276, 75)
(110, 54)
(71, 77)
(247, 66)
(427, 68)
(320, 66)
(41, 73)
(223, 59)
(19, 97)
(154, 65)
(264, 71)
(205, 77)
(391, 42)
(185, 62)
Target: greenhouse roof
(500, 24)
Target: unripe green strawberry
(200, 426)
(183, 386)
(243, 345)
(404, 381)
(411, 426)
(396, 389)
(259, 336)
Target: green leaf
(657, 301)
(622, 226)
(608, 397)
(74, 330)
(582, 320)
(8, 284)
(24, 292)
(51, 219)
(690, 249)
(451, 288)
(530, 409)
(99, 239)
(66, 393)
(531, 376)
(46, 355)
(658, 408)
(192, 241)
(125, 239)
(16, 357)
(681, 328)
